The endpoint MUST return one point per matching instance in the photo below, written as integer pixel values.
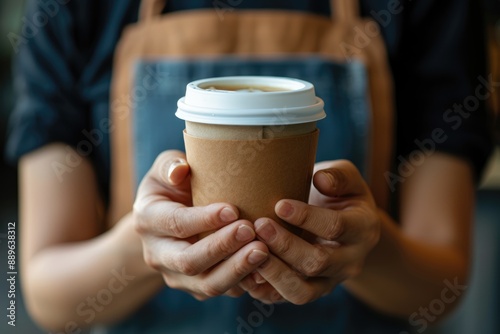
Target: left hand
(341, 226)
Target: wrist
(128, 251)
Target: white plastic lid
(250, 100)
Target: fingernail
(228, 215)
(258, 278)
(327, 178)
(256, 256)
(244, 233)
(172, 168)
(284, 209)
(265, 230)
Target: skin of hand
(341, 226)
(170, 227)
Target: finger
(290, 284)
(265, 293)
(191, 285)
(193, 259)
(323, 259)
(252, 281)
(258, 278)
(177, 171)
(168, 178)
(310, 260)
(340, 179)
(235, 292)
(229, 273)
(170, 167)
(248, 283)
(171, 219)
(332, 225)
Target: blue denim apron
(343, 134)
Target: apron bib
(155, 60)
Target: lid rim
(294, 115)
(297, 103)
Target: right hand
(169, 228)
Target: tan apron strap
(151, 8)
(345, 10)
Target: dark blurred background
(478, 314)
(11, 12)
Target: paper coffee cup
(250, 141)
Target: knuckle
(140, 217)
(335, 228)
(184, 266)
(170, 282)
(188, 269)
(140, 226)
(209, 290)
(209, 219)
(315, 267)
(302, 298)
(239, 270)
(150, 260)
(138, 207)
(175, 223)
(284, 246)
(302, 216)
(219, 247)
(312, 270)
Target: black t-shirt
(65, 51)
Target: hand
(169, 227)
(341, 226)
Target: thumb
(177, 171)
(170, 168)
(341, 178)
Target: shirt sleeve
(441, 81)
(46, 70)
